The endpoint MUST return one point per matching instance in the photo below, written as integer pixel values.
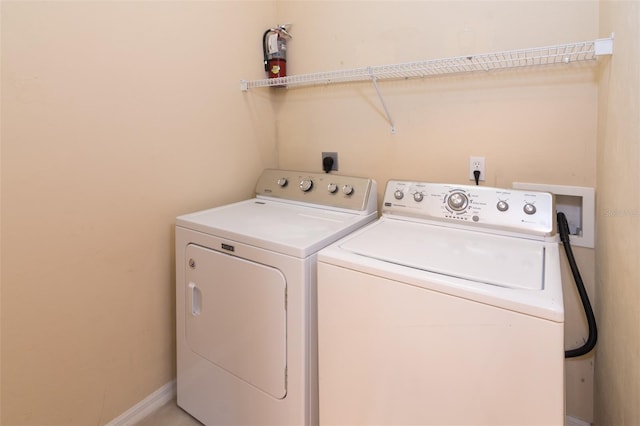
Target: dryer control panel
(528, 212)
(327, 190)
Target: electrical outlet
(476, 163)
(332, 155)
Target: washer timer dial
(457, 201)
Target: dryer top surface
(293, 229)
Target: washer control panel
(478, 206)
(348, 192)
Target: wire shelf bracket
(548, 55)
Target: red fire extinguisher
(274, 48)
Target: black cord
(476, 175)
(563, 229)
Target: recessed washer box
(578, 205)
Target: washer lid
(293, 229)
(491, 259)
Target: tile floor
(169, 415)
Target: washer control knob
(283, 182)
(332, 188)
(502, 206)
(529, 208)
(398, 194)
(417, 197)
(306, 185)
(458, 201)
(347, 189)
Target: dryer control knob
(398, 194)
(332, 188)
(417, 197)
(306, 185)
(502, 206)
(283, 182)
(529, 208)
(347, 189)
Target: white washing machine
(448, 310)
(246, 297)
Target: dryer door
(236, 317)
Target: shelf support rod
(374, 79)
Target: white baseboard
(167, 392)
(572, 421)
(147, 406)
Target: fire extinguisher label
(275, 69)
(272, 43)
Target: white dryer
(246, 297)
(448, 310)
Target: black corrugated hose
(563, 229)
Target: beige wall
(531, 125)
(618, 221)
(116, 117)
(538, 125)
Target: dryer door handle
(195, 296)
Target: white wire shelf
(548, 55)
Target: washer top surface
(484, 258)
(490, 245)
